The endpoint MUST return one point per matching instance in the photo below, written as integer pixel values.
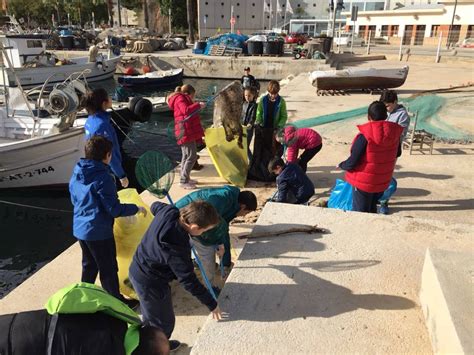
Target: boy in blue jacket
(229, 202)
(294, 186)
(164, 254)
(98, 124)
(96, 204)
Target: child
(271, 109)
(300, 138)
(397, 114)
(230, 202)
(188, 130)
(248, 80)
(94, 196)
(164, 255)
(98, 124)
(249, 112)
(293, 184)
(373, 155)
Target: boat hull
(41, 161)
(378, 80)
(32, 77)
(160, 82)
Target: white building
(309, 16)
(415, 22)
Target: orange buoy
(129, 71)
(146, 69)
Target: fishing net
(433, 110)
(155, 173)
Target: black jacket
(164, 254)
(249, 113)
(293, 179)
(250, 81)
(26, 333)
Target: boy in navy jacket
(294, 186)
(164, 255)
(96, 204)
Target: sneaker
(174, 345)
(192, 182)
(197, 167)
(187, 186)
(383, 209)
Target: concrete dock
(352, 289)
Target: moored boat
(358, 79)
(155, 79)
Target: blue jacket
(164, 254)
(226, 201)
(293, 179)
(95, 201)
(99, 124)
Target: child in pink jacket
(300, 138)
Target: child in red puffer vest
(188, 130)
(374, 152)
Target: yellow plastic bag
(128, 233)
(231, 162)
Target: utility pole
(450, 35)
(169, 19)
(119, 7)
(190, 12)
(145, 13)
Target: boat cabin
(23, 48)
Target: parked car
(345, 39)
(296, 38)
(467, 43)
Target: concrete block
(447, 299)
(353, 289)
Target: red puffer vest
(189, 130)
(375, 168)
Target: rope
(35, 207)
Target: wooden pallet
(217, 50)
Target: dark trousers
(307, 155)
(156, 304)
(365, 201)
(227, 259)
(99, 257)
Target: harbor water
(36, 225)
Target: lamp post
(450, 35)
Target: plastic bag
(389, 191)
(128, 233)
(230, 161)
(341, 196)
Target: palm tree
(190, 11)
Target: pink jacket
(300, 138)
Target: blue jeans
(156, 304)
(388, 192)
(99, 257)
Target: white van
(345, 39)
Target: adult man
(229, 202)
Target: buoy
(146, 69)
(129, 71)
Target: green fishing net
(155, 173)
(433, 111)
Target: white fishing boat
(37, 152)
(358, 79)
(34, 66)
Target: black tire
(143, 110)
(133, 101)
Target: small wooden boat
(158, 78)
(358, 79)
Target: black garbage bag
(265, 148)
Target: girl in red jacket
(300, 138)
(188, 130)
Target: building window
(314, 5)
(238, 16)
(238, 4)
(253, 16)
(222, 16)
(222, 3)
(384, 31)
(394, 31)
(206, 15)
(435, 30)
(253, 4)
(374, 6)
(207, 3)
(470, 31)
